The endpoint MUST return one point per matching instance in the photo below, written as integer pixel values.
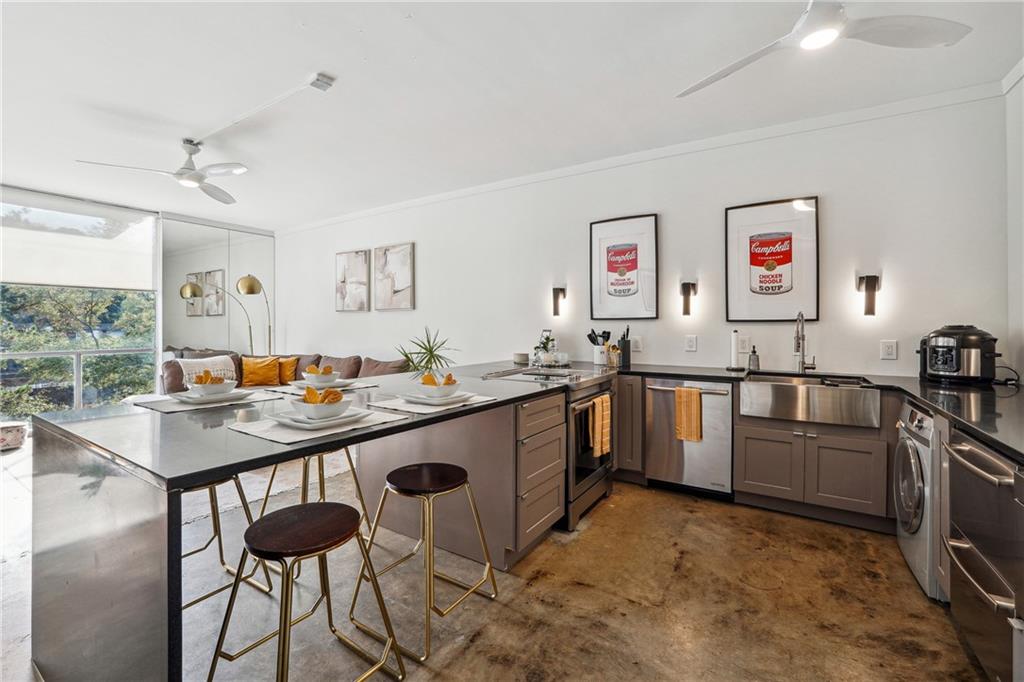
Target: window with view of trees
(38, 323)
(77, 328)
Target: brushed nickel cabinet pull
(997, 602)
(975, 469)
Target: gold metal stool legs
(218, 536)
(286, 622)
(427, 540)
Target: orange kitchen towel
(688, 411)
(601, 425)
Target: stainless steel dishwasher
(706, 464)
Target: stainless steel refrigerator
(706, 464)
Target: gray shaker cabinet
(768, 462)
(845, 473)
(808, 466)
(629, 423)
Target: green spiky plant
(427, 354)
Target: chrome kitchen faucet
(800, 346)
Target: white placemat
(167, 405)
(279, 433)
(295, 390)
(413, 408)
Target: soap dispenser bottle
(753, 360)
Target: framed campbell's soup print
(771, 261)
(624, 268)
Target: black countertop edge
(54, 422)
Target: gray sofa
(351, 367)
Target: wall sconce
(687, 289)
(869, 284)
(557, 296)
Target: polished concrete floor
(655, 585)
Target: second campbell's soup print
(771, 262)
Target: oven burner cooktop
(545, 375)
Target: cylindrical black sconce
(688, 290)
(557, 296)
(870, 285)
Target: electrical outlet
(691, 343)
(888, 350)
(636, 344)
(743, 343)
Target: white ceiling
(429, 98)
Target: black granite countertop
(187, 449)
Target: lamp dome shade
(249, 285)
(190, 290)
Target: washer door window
(908, 485)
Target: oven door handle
(998, 603)
(579, 407)
(975, 469)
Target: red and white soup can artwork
(771, 262)
(622, 269)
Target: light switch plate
(743, 343)
(888, 350)
(691, 343)
(636, 344)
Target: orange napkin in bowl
(328, 396)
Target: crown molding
(1013, 76)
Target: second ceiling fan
(822, 23)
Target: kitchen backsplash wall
(919, 198)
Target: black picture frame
(817, 259)
(590, 257)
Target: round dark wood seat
(427, 478)
(301, 530)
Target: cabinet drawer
(535, 416)
(539, 458)
(538, 509)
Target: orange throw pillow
(288, 367)
(261, 372)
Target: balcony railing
(77, 357)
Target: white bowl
(321, 379)
(437, 391)
(213, 389)
(321, 410)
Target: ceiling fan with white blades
(190, 176)
(821, 23)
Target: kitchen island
(106, 527)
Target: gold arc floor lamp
(250, 285)
(195, 290)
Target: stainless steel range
(588, 478)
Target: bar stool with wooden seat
(426, 482)
(288, 536)
(218, 534)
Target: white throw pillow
(219, 366)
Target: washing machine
(915, 480)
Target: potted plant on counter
(427, 354)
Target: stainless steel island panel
(101, 594)
(484, 445)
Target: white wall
(1015, 225)
(919, 198)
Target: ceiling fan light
(192, 179)
(819, 39)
